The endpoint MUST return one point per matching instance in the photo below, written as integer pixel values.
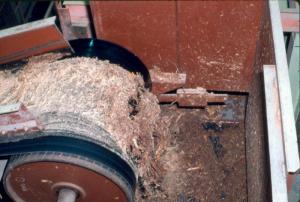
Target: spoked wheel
(54, 176)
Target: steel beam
(285, 96)
(30, 39)
(275, 136)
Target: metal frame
(285, 96)
(275, 133)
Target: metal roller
(60, 164)
(61, 177)
(61, 155)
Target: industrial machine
(233, 135)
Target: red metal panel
(147, 28)
(217, 42)
(213, 42)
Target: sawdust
(102, 93)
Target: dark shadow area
(104, 50)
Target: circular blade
(116, 54)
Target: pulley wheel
(52, 177)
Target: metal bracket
(163, 82)
(193, 97)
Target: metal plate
(30, 39)
(213, 42)
(146, 28)
(218, 42)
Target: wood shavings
(102, 93)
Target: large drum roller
(71, 138)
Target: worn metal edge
(285, 96)
(275, 139)
(27, 27)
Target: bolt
(66, 195)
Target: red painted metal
(218, 42)
(146, 28)
(213, 42)
(19, 121)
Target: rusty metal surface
(192, 97)
(232, 113)
(18, 120)
(30, 39)
(146, 28)
(40, 181)
(163, 82)
(208, 162)
(213, 42)
(257, 164)
(218, 42)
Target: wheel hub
(51, 181)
